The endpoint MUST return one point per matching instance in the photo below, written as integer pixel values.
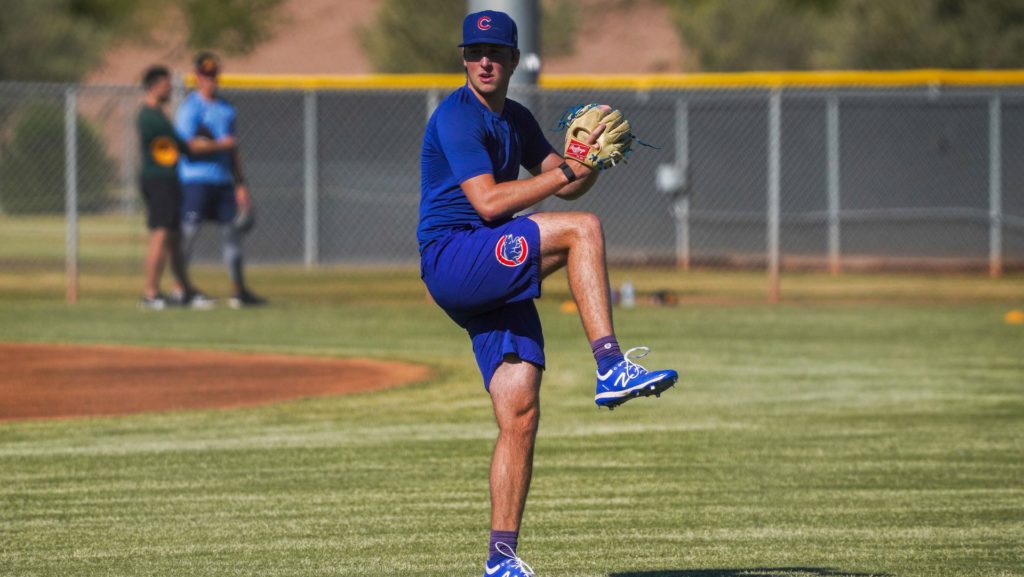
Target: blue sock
(510, 538)
(606, 353)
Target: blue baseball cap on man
(489, 27)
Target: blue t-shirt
(465, 139)
(212, 119)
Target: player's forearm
(507, 198)
(207, 146)
(578, 188)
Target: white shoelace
(634, 370)
(517, 562)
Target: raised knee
(588, 226)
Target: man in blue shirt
(484, 266)
(213, 185)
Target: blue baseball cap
(489, 27)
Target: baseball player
(161, 191)
(213, 185)
(484, 266)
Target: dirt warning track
(47, 381)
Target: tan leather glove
(612, 146)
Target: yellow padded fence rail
(710, 81)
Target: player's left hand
(597, 136)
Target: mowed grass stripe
(863, 438)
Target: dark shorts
(486, 280)
(208, 202)
(163, 202)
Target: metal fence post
(682, 202)
(995, 187)
(310, 179)
(433, 101)
(774, 186)
(71, 191)
(127, 157)
(832, 135)
(674, 180)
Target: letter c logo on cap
(484, 23)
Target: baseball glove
(612, 146)
(244, 220)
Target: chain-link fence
(794, 177)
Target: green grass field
(874, 425)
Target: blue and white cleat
(628, 380)
(506, 564)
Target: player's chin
(487, 84)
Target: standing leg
(155, 261)
(189, 231)
(176, 256)
(233, 256)
(515, 394)
(194, 201)
(227, 209)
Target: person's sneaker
(506, 564)
(176, 299)
(157, 303)
(628, 380)
(200, 301)
(192, 298)
(245, 299)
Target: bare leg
(155, 261)
(177, 259)
(575, 240)
(515, 394)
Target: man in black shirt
(161, 190)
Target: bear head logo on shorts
(511, 250)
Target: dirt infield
(46, 381)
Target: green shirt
(161, 146)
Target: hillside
(320, 37)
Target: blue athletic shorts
(201, 202)
(486, 279)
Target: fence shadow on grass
(751, 572)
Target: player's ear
(515, 58)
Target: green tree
(234, 26)
(415, 36)
(934, 34)
(870, 34)
(61, 40)
(732, 35)
(44, 40)
(32, 163)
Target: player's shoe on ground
(200, 301)
(157, 303)
(193, 298)
(245, 299)
(506, 564)
(628, 380)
